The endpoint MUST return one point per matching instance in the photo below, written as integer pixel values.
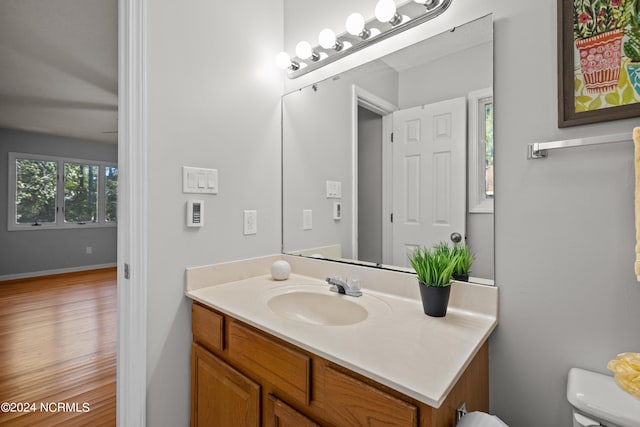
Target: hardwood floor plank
(58, 346)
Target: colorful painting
(600, 67)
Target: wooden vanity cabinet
(241, 376)
(279, 414)
(221, 396)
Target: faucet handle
(354, 283)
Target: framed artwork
(598, 61)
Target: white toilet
(480, 419)
(598, 401)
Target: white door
(429, 176)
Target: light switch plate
(199, 180)
(334, 189)
(250, 222)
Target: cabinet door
(220, 395)
(350, 402)
(279, 414)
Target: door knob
(456, 237)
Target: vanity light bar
(407, 16)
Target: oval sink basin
(317, 309)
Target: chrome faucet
(351, 288)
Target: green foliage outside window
(80, 193)
(35, 191)
(488, 146)
(111, 189)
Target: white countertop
(396, 345)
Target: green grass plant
(434, 266)
(464, 259)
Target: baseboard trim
(56, 271)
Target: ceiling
(59, 67)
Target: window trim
(60, 224)
(478, 203)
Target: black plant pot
(461, 277)
(435, 300)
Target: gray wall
(23, 252)
(370, 220)
(214, 101)
(317, 147)
(449, 77)
(564, 226)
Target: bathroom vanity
(291, 352)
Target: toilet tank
(597, 398)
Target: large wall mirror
(394, 154)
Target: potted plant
(434, 268)
(464, 260)
(598, 31)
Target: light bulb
(355, 24)
(327, 38)
(385, 10)
(283, 60)
(304, 50)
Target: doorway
(410, 183)
(376, 208)
(369, 191)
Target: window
(51, 192)
(36, 182)
(481, 151)
(111, 193)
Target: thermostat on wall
(195, 213)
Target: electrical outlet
(250, 222)
(89, 250)
(307, 219)
(337, 211)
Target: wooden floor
(58, 350)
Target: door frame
(131, 353)
(363, 98)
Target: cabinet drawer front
(350, 402)
(207, 327)
(288, 370)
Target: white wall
(27, 252)
(214, 101)
(564, 225)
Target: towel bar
(538, 150)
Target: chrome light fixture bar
(407, 16)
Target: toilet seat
(480, 419)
